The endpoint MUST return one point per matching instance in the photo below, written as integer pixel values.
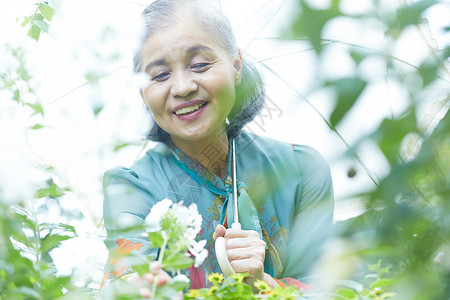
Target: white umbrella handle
(221, 253)
(221, 249)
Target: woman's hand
(147, 280)
(245, 251)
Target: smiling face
(192, 81)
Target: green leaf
(51, 241)
(358, 56)
(382, 283)
(348, 90)
(26, 291)
(177, 262)
(16, 96)
(93, 76)
(96, 109)
(41, 24)
(391, 133)
(411, 14)
(428, 71)
(37, 126)
(310, 22)
(120, 146)
(34, 32)
(25, 21)
(52, 191)
(37, 107)
(46, 11)
(375, 268)
(59, 226)
(156, 239)
(346, 293)
(142, 268)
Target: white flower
(158, 210)
(200, 258)
(181, 227)
(198, 250)
(196, 217)
(181, 212)
(181, 278)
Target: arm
(124, 209)
(312, 223)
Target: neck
(211, 152)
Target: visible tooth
(187, 110)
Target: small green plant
(234, 288)
(378, 285)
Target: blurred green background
(393, 216)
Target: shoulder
(148, 168)
(302, 156)
(309, 159)
(131, 191)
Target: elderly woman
(201, 93)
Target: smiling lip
(187, 104)
(190, 110)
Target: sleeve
(312, 223)
(126, 204)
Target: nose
(183, 84)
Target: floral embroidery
(124, 248)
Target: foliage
(405, 222)
(234, 287)
(38, 21)
(406, 219)
(27, 270)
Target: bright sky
(98, 37)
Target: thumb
(220, 232)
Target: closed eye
(200, 67)
(161, 76)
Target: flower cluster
(176, 226)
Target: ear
(238, 68)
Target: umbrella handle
(221, 253)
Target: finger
(238, 233)
(245, 253)
(252, 266)
(220, 232)
(235, 243)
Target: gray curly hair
(250, 94)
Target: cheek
(154, 99)
(222, 87)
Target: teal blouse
(285, 194)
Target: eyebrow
(158, 62)
(190, 50)
(198, 48)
